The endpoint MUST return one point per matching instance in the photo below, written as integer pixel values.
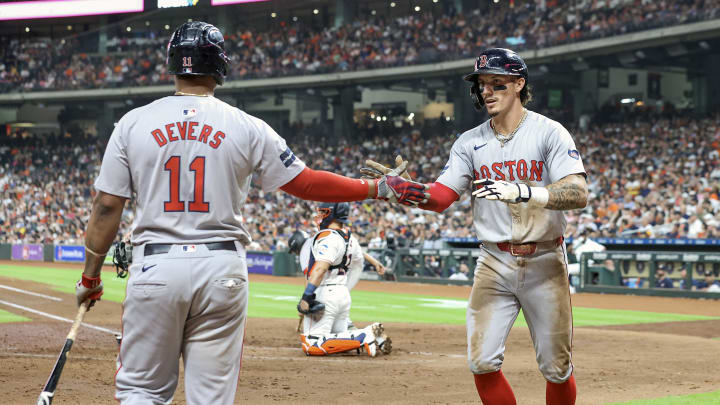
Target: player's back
(190, 161)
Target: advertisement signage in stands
(224, 2)
(28, 10)
(27, 252)
(261, 263)
(176, 3)
(69, 253)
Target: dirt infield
(427, 365)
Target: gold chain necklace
(180, 93)
(505, 139)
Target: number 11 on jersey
(198, 204)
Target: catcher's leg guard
(339, 343)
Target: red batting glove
(397, 189)
(88, 288)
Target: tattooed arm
(568, 193)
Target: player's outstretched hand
(501, 190)
(375, 170)
(396, 189)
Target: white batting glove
(504, 191)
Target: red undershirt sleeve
(319, 185)
(441, 197)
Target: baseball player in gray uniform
(525, 170)
(189, 159)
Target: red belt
(527, 249)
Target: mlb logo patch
(190, 112)
(574, 154)
(189, 248)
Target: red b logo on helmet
(482, 62)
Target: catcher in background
(326, 259)
(296, 243)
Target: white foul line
(50, 356)
(7, 287)
(59, 318)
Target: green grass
(63, 280)
(271, 300)
(6, 317)
(710, 398)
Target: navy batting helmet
(197, 49)
(297, 239)
(328, 212)
(495, 61)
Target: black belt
(159, 248)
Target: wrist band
(90, 282)
(95, 253)
(539, 196)
(310, 288)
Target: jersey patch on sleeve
(574, 154)
(287, 157)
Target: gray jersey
(189, 160)
(542, 152)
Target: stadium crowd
(297, 49)
(646, 180)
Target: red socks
(494, 389)
(561, 394)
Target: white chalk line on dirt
(58, 318)
(294, 349)
(53, 356)
(333, 358)
(245, 357)
(49, 297)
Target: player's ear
(519, 83)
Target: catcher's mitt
(122, 257)
(313, 306)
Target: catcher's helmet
(328, 212)
(197, 49)
(297, 239)
(498, 61)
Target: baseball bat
(300, 323)
(46, 396)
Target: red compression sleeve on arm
(318, 185)
(441, 196)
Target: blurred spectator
(661, 278)
(682, 273)
(669, 187)
(376, 42)
(708, 284)
(461, 273)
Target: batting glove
(395, 189)
(375, 170)
(88, 288)
(501, 190)
(398, 190)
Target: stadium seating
(648, 179)
(295, 49)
